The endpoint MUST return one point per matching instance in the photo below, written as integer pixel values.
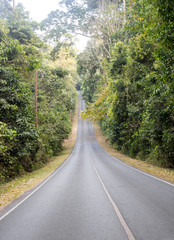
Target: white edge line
(140, 171)
(134, 168)
(116, 209)
(45, 181)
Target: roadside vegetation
(15, 188)
(148, 167)
(32, 128)
(128, 77)
(125, 73)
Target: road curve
(92, 196)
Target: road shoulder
(20, 185)
(162, 173)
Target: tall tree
(135, 105)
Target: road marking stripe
(138, 170)
(117, 211)
(131, 167)
(46, 180)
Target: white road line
(134, 168)
(12, 209)
(117, 211)
(46, 180)
(137, 170)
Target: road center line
(117, 211)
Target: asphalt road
(93, 196)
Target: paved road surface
(92, 197)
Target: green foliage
(18, 130)
(23, 147)
(135, 106)
(5, 8)
(118, 59)
(56, 103)
(7, 137)
(22, 28)
(88, 69)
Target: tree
(134, 99)
(22, 146)
(5, 8)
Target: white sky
(39, 9)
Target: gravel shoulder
(163, 173)
(15, 188)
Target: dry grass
(163, 173)
(15, 188)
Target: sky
(39, 9)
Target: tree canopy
(23, 146)
(133, 96)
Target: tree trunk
(36, 98)
(13, 5)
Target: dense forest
(32, 128)
(128, 76)
(126, 72)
